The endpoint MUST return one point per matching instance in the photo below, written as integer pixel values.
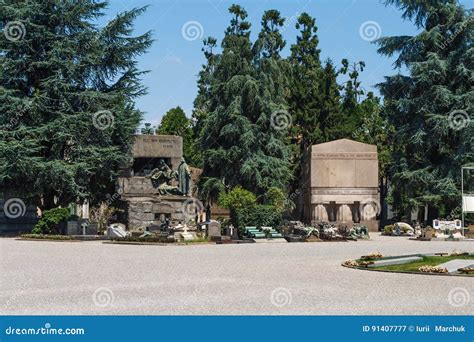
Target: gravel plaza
(92, 278)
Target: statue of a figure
(161, 178)
(184, 178)
(162, 173)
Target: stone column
(344, 213)
(321, 213)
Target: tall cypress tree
(239, 145)
(330, 110)
(66, 98)
(306, 87)
(306, 98)
(431, 107)
(272, 117)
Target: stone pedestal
(143, 211)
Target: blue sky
(175, 58)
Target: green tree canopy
(175, 122)
(431, 106)
(240, 146)
(66, 98)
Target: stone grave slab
(397, 261)
(214, 230)
(453, 265)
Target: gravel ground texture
(56, 278)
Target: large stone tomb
(340, 184)
(141, 201)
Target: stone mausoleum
(142, 203)
(340, 184)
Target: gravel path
(266, 278)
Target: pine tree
(431, 106)
(330, 109)
(66, 98)
(306, 93)
(375, 129)
(306, 98)
(240, 147)
(202, 102)
(351, 114)
(205, 80)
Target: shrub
(237, 198)
(388, 230)
(276, 197)
(258, 215)
(50, 220)
(103, 214)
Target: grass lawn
(427, 260)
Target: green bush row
(259, 215)
(46, 237)
(163, 239)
